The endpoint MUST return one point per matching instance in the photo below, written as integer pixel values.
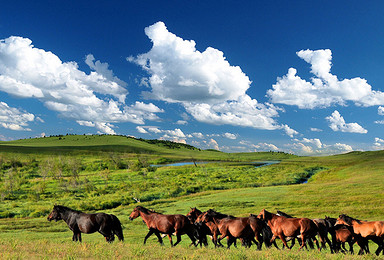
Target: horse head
(136, 212)
(344, 220)
(55, 214)
(193, 214)
(264, 215)
(204, 218)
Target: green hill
(112, 173)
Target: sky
(304, 77)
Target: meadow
(113, 174)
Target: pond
(257, 164)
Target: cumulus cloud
(98, 97)
(289, 131)
(230, 136)
(14, 119)
(141, 130)
(314, 146)
(378, 144)
(210, 89)
(380, 110)
(337, 123)
(324, 89)
(315, 141)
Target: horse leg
(293, 243)
(284, 241)
(79, 236)
(170, 239)
(178, 239)
(151, 231)
(201, 240)
(160, 239)
(302, 241)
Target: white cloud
(314, 146)
(141, 130)
(198, 135)
(289, 131)
(337, 123)
(378, 144)
(98, 97)
(344, 148)
(325, 89)
(315, 141)
(181, 122)
(212, 144)
(180, 73)
(380, 110)
(313, 129)
(380, 122)
(210, 89)
(230, 136)
(14, 119)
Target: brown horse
(79, 222)
(344, 234)
(283, 227)
(201, 230)
(373, 230)
(246, 228)
(212, 229)
(165, 224)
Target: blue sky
(297, 76)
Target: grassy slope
(352, 184)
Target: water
(259, 164)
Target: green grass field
(107, 174)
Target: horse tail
(117, 228)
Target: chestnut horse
(373, 230)
(165, 224)
(283, 227)
(106, 224)
(211, 228)
(344, 234)
(246, 228)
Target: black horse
(106, 224)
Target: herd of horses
(259, 229)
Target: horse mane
(62, 208)
(283, 214)
(213, 213)
(348, 219)
(145, 210)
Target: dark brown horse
(344, 234)
(373, 230)
(212, 229)
(158, 223)
(246, 228)
(106, 224)
(201, 229)
(283, 227)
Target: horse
(344, 234)
(246, 228)
(283, 227)
(373, 230)
(201, 229)
(106, 224)
(165, 224)
(211, 229)
(309, 241)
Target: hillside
(123, 144)
(103, 173)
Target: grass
(350, 183)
